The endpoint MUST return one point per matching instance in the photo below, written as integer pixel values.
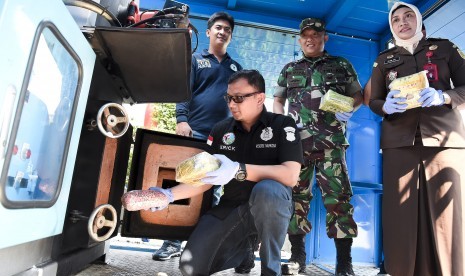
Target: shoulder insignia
(375, 64)
(433, 47)
(387, 50)
(461, 53)
(435, 39)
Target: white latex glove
(431, 97)
(344, 116)
(169, 198)
(224, 174)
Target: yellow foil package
(193, 169)
(335, 102)
(410, 87)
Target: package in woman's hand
(410, 87)
(335, 102)
(193, 169)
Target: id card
(432, 73)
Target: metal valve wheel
(98, 220)
(112, 120)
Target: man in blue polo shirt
(210, 72)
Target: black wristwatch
(241, 173)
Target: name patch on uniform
(332, 70)
(203, 63)
(229, 148)
(298, 72)
(265, 146)
(392, 60)
(267, 134)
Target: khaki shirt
(439, 126)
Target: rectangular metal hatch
(154, 160)
(146, 65)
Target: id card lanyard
(432, 68)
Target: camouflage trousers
(330, 169)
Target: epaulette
(436, 39)
(387, 50)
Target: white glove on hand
(224, 174)
(344, 116)
(392, 104)
(431, 97)
(163, 204)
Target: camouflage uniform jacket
(303, 83)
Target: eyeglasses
(238, 99)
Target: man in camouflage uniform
(303, 83)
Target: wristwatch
(241, 173)
(447, 99)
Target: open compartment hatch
(147, 65)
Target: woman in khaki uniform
(423, 151)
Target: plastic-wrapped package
(193, 169)
(143, 200)
(410, 87)
(335, 102)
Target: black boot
(249, 260)
(344, 259)
(298, 258)
(382, 270)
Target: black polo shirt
(272, 140)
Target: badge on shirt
(229, 138)
(290, 134)
(203, 63)
(267, 134)
(233, 67)
(392, 75)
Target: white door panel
(46, 67)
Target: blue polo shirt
(209, 82)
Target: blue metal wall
(448, 23)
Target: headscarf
(411, 43)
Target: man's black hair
(253, 77)
(220, 16)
